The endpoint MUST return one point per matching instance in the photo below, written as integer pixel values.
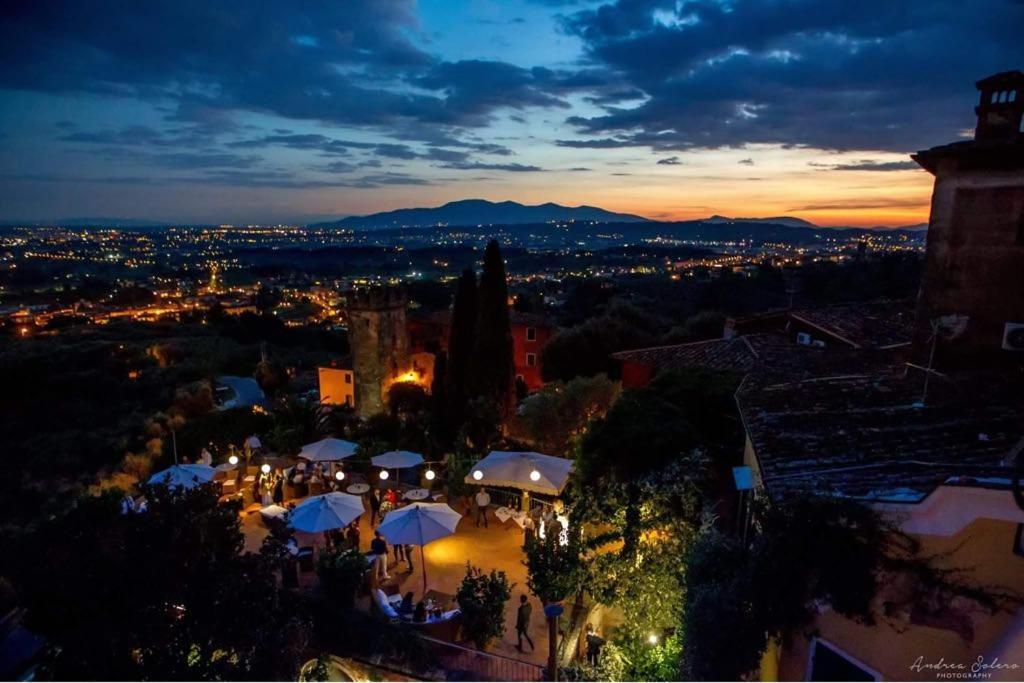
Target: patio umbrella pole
(423, 561)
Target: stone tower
(380, 344)
(972, 290)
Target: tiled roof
(879, 324)
(869, 436)
(718, 354)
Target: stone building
(380, 344)
(972, 292)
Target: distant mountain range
(788, 221)
(481, 212)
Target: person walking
(483, 499)
(523, 623)
(379, 549)
(399, 550)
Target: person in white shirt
(482, 501)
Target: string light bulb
(534, 475)
(265, 468)
(339, 475)
(233, 460)
(478, 475)
(384, 474)
(429, 474)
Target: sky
(233, 111)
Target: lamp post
(552, 612)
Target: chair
(229, 487)
(384, 604)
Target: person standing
(483, 499)
(352, 536)
(594, 643)
(399, 551)
(374, 507)
(379, 549)
(408, 556)
(523, 623)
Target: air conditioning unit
(1013, 336)
(803, 339)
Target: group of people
(379, 551)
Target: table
(441, 600)
(417, 494)
(503, 514)
(273, 513)
(358, 489)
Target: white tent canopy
(325, 512)
(185, 476)
(526, 471)
(328, 450)
(419, 524)
(397, 459)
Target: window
(531, 360)
(531, 334)
(828, 663)
(348, 378)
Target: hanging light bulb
(233, 460)
(265, 468)
(429, 474)
(534, 475)
(652, 639)
(339, 475)
(478, 475)
(384, 474)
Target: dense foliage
(482, 598)
(165, 594)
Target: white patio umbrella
(526, 471)
(253, 442)
(185, 476)
(328, 450)
(419, 524)
(325, 512)
(397, 460)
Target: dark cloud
(839, 75)
(338, 62)
(580, 168)
(868, 165)
(670, 161)
(602, 143)
(746, 162)
(483, 166)
(854, 204)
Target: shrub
(340, 573)
(482, 599)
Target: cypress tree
(493, 372)
(461, 336)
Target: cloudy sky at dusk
(195, 110)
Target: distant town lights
(478, 474)
(384, 474)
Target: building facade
(972, 293)
(380, 344)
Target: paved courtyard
(497, 547)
